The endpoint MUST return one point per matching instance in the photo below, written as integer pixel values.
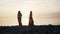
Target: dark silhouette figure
(31, 22)
(19, 18)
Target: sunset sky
(44, 12)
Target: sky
(44, 12)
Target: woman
(19, 18)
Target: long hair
(19, 13)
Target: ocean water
(11, 21)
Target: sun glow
(25, 15)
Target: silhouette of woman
(31, 22)
(19, 18)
